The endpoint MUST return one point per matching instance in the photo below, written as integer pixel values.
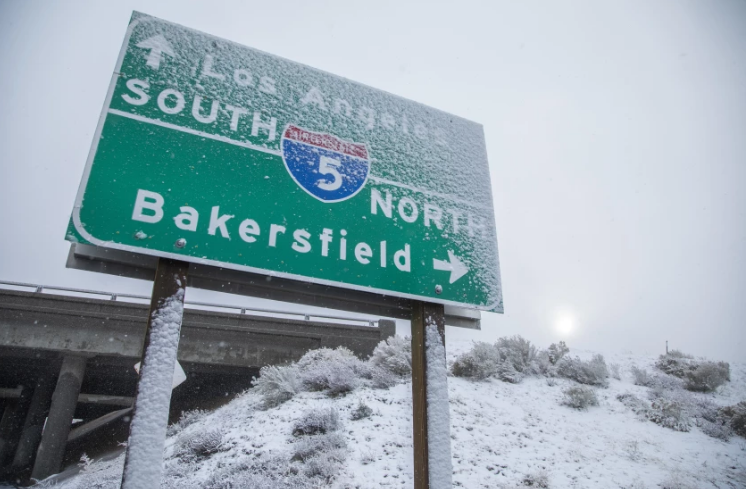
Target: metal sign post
(143, 462)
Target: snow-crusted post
(430, 420)
(143, 463)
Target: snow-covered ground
(502, 435)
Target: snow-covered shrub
(715, 430)
(507, 373)
(518, 352)
(634, 403)
(362, 411)
(383, 379)
(669, 414)
(394, 355)
(675, 481)
(579, 397)
(735, 416)
(478, 363)
(699, 375)
(591, 372)
(543, 364)
(641, 376)
(317, 421)
(187, 418)
(615, 371)
(325, 465)
(308, 447)
(556, 351)
(199, 444)
(537, 479)
(707, 376)
(260, 472)
(336, 371)
(277, 384)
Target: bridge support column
(64, 400)
(34, 424)
(11, 425)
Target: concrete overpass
(69, 354)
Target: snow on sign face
(212, 152)
(326, 167)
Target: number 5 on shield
(328, 166)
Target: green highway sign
(212, 152)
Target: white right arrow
(158, 45)
(454, 265)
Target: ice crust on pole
(148, 431)
(438, 417)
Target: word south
(148, 208)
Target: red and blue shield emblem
(323, 165)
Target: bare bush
(556, 351)
(336, 371)
(478, 363)
(579, 397)
(591, 372)
(277, 384)
(393, 355)
(317, 421)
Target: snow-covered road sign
(212, 152)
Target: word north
(148, 208)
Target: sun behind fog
(565, 324)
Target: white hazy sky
(616, 133)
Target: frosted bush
(336, 371)
(187, 418)
(478, 363)
(518, 352)
(325, 465)
(510, 359)
(699, 375)
(394, 355)
(199, 444)
(543, 364)
(262, 472)
(580, 397)
(383, 379)
(538, 479)
(641, 376)
(277, 384)
(507, 373)
(591, 372)
(634, 403)
(308, 447)
(669, 414)
(556, 351)
(615, 370)
(362, 411)
(735, 416)
(707, 376)
(317, 421)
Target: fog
(615, 133)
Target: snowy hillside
(503, 435)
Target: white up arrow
(158, 46)
(454, 265)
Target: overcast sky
(616, 134)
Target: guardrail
(39, 289)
